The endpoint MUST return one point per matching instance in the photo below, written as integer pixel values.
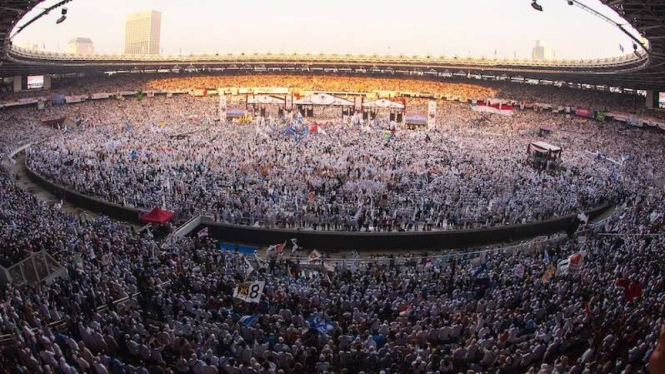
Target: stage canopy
(157, 215)
(383, 103)
(323, 99)
(265, 99)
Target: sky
(502, 28)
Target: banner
(431, 114)
(222, 107)
(587, 113)
(249, 292)
(75, 99)
(504, 110)
(272, 90)
(288, 102)
(358, 104)
(101, 95)
(634, 121)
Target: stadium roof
(638, 71)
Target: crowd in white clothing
(133, 304)
(471, 170)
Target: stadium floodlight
(63, 17)
(536, 6)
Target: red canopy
(157, 215)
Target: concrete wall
(337, 240)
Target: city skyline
(503, 30)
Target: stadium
(372, 213)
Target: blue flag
(248, 320)
(319, 323)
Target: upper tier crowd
(133, 304)
(454, 87)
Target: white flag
(314, 256)
(562, 267)
(249, 292)
(583, 217)
(248, 267)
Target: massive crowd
(470, 171)
(133, 304)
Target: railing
(619, 61)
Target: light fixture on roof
(536, 6)
(63, 17)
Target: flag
(583, 217)
(573, 263)
(562, 267)
(519, 271)
(248, 267)
(294, 241)
(248, 320)
(139, 95)
(202, 233)
(314, 256)
(261, 262)
(320, 323)
(405, 309)
(621, 48)
(599, 115)
(546, 258)
(278, 248)
(249, 292)
(576, 261)
(549, 273)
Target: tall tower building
(142, 32)
(82, 46)
(542, 52)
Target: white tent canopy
(323, 99)
(383, 103)
(265, 99)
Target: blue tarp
(244, 249)
(235, 113)
(59, 100)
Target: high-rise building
(542, 52)
(81, 46)
(142, 32)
